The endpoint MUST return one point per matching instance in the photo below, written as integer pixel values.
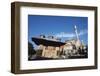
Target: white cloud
(70, 35)
(82, 32)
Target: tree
(31, 50)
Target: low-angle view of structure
(53, 48)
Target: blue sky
(59, 26)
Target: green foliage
(31, 50)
